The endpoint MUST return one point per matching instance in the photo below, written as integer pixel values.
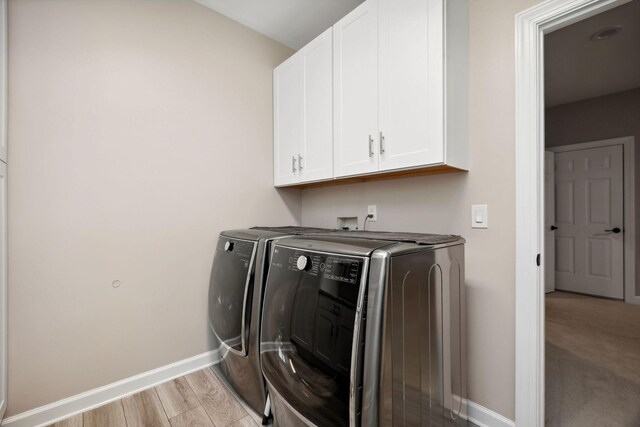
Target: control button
(228, 246)
(303, 262)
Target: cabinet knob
(293, 163)
(299, 162)
(370, 146)
(381, 143)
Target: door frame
(629, 212)
(531, 25)
(549, 202)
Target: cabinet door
(411, 83)
(287, 120)
(316, 160)
(355, 50)
(3, 288)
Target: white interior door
(549, 222)
(355, 53)
(589, 216)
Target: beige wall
(443, 204)
(595, 119)
(137, 130)
(130, 120)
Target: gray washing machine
(366, 329)
(235, 303)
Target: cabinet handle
(300, 162)
(293, 163)
(381, 143)
(370, 146)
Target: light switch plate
(479, 216)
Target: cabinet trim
(380, 176)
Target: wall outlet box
(479, 216)
(348, 223)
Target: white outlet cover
(479, 216)
(372, 210)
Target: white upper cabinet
(317, 149)
(288, 131)
(355, 53)
(400, 94)
(410, 83)
(400, 86)
(303, 122)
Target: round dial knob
(228, 246)
(303, 262)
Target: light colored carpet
(592, 362)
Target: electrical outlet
(372, 210)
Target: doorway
(531, 124)
(592, 350)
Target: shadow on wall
(429, 204)
(293, 203)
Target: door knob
(614, 230)
(553, 228)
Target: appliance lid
(257, 233)
(335, 244)
(295, 230)
(250, 234)
(417, 238)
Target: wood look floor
(199, 399)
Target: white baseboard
(88, 400)
(91, 399)
(484, 417)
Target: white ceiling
(577, 68)
(293, 23)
